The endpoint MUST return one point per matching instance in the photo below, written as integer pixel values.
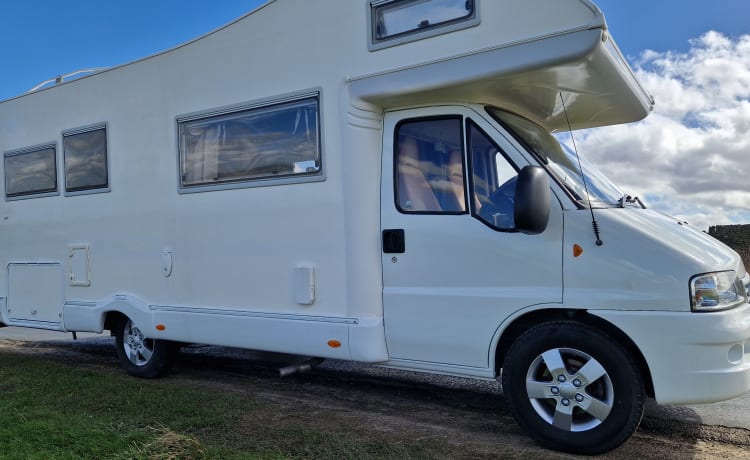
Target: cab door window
(493, 180)
(429, 166)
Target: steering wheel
(501, 203)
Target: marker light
(160, 327)
(334, 343)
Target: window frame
(265, 181)
(374, 44)
(31, 194)
(90, 189)
(462, 136)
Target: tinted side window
(429, 166)
(30, 171)
(275, 141)
(85, 159)
(493, 180)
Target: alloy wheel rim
(137, 348)
(569, 389)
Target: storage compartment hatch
(35, 292)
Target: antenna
(594, 223)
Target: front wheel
(141, 356)
(573, 388)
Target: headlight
(716, 291)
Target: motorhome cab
(374, 180)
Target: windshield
(561, 161)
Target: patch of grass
(167, 445)
(50, 410)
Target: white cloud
(691, 156)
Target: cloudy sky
(689, 158)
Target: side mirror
(532, 200)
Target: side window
(268, 142)
(493, 180)
(429, 164)
(31, 172)
(85, 159)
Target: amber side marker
(577, 250)
(334, 343)
(160, 327)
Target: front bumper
(693, 357)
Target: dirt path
(394, 407)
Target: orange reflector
(577, 250)
(160, 327)
(334, 343)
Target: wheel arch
(105, 313)
(530, 319)
(112, 319)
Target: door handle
(394, 241)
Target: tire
(140, 356)
(573, 388)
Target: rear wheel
(573, 388)
(141, 356)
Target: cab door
(454, 267)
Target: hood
(703, 249)
(645, 263)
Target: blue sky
(40, 39)
(701, 82)
(668, 24)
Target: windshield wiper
(631, 200)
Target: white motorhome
(374, 180)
